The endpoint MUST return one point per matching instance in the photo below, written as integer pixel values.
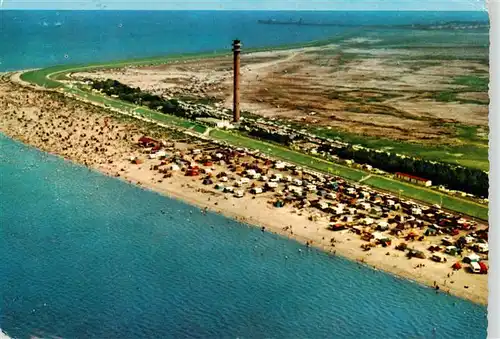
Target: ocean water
(89, 256)
(42, 38)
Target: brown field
(105, 141)
(390, 93)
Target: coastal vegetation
(465, 179)
(473, 83)
(138, 97)
(471, 150)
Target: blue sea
(41, 38)
(89, 256)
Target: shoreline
(191, 197)
(163, 59)
(348, 245)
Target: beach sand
(104, 141)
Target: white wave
(2, 333)
(363, 40)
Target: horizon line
(246, 10)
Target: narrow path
(207, 131)
(365, 178)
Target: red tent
(456, 266)
(147, 141)
(484, 268)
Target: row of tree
(460, 178)
(139, 97)
(268, 134)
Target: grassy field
(462, 153)
(40, 77)
(474, 83)
(47, 77)
(471, 152)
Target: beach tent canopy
(483, 266)
(430, 231)
(475, 266)
(473, 257)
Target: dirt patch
(480, 96)
(377, 92)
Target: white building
(364, 205)
(272, 185)
(383, 225)
(311, 187)
(217, 123)
(416, 211)
(322, 205)
(251, 172)
(279, 165)
(256, 190)
(277, 177)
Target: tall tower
(236, 80)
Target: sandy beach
(105, 141)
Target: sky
(438, 5)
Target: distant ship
(295, 22)
(441, 26)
